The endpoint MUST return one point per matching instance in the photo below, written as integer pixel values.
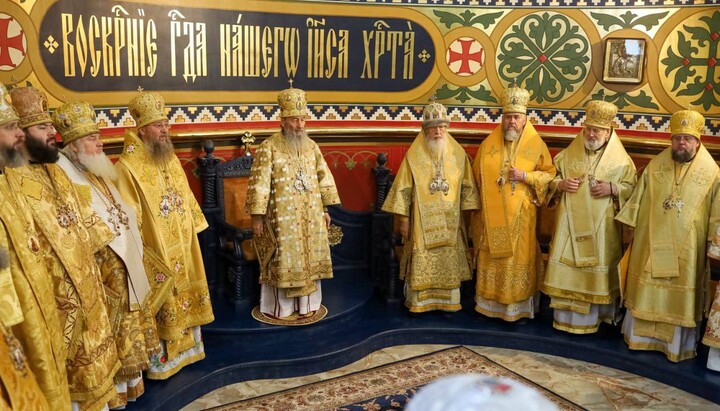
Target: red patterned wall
(351, 167)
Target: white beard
(511, 135)
(437, 147)
(594, 145)
(98, 164)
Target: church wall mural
(369, 67)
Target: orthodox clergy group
(102, 282)
(661, 276)
(102, 277)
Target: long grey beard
(160, 151)
(98, 164)
(295, 140)
(511, 135)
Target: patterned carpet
(386, 387)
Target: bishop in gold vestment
(290, 185)
(432, 188)
(674, 209)
(131, 301)
(68, 233)
(152, 181)
(512, 169)
(27, 303)
(595, 177)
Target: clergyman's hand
(515, 174)
(327, 220)
(569, 185)
(257, 225)
(601, 189)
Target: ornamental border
(109, 118)
(533, 3)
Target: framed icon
(624, 60)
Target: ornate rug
(290, 320)
(387, 387)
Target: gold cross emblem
(493, 151)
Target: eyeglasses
(682, 137)
(161, 126)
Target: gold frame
(624, 67)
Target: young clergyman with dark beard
(152, 181)
(68, 233)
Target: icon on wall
(624, 60)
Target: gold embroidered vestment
(40, 332)
(434, 258)
(668, 272)
(509, 267)
(294, 211)
(69, 234)
(170, 219)
(587, 241)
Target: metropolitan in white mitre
(432, 189)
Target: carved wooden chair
(229, 253)
(384, 261)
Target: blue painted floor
(359, 322)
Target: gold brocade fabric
(126, 325)
(17, 382)
(170, 219)
(712, 330)
(10, 309)
(41, 333)
(294, 211)
(565, 278)
(428, 264)
(676, 299)
(69, 234)
(514, 274)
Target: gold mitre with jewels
(515, 99)
(74, 121)
(7, 113)
(687, 122)
(292, 102)
(599, 113)
(146, 108)
(434, 115)
(31, 106)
